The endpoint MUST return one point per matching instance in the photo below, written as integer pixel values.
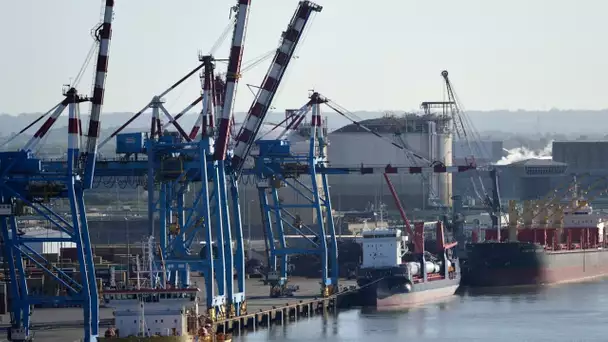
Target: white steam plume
(523, 153)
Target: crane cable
(294, 56)
(85, 65)
(343, 112)
(222, 36)
(459, 117)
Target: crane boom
(258, 110)
(232, 77)
(103, 35)
(399, 205)
(205, 117)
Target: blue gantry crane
(25, 184)
(277, 167)
(175, 163)
(262, 102)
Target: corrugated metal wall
(581, 156)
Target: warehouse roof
(39, 232)
(393, 124)
(537, 162)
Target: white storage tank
(428, 136)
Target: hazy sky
(384, 54)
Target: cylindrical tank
(414, 267)
(432, 151)
(431, 267)
(351, 146)
(444, 155)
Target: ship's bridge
(381, 233)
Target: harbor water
(569, 312)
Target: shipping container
(130, 143)
(69, 253)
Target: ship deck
(64, 324)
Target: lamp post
(128, 249)
(126, 210)
(249, 228)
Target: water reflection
(574, 312)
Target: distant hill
(498, 124)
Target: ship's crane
(464, 128)
(465, 132)
(554, 197)
(573, 193)
(24, 183)
(552, 210)
(406, 221)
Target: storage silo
(426, 135)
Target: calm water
(575, 312)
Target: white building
(47, 247)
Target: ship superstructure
(152, 309)
(148, 312)
(391, 275)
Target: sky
(364, 55)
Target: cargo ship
(390, 276)
(151, 311)
(571, 247)
(158, 314)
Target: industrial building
(428, 136)
(581, 156)
(586, 159)
(47, 247)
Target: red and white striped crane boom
(232, 76)
(258, 110)
(103, 35)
